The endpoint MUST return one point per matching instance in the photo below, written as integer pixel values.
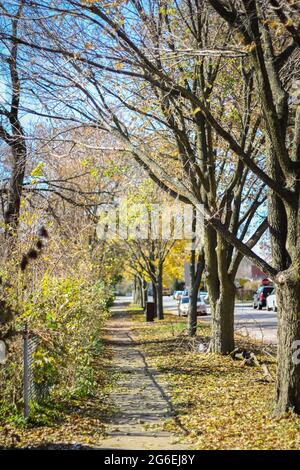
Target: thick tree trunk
(288, 298)
(137, 291)
(159, 293)
(212, 278)
(222, 341)
(277, 219)
(221, 291)
(288, 371)
(223, 315)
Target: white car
(183, 307)
(271, 301)
(178, 294)
(204, 296)
(201, 306)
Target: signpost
(2, 352)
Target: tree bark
(192, 316)
(195, 284)
(12, 213)
(221, 291)
(223, 320)
(159, 293)
(145, 292)
(288, 298)
(154, 294)
(134, 293)
(141, 295)
(16, 141)
(277, 219)
(137, 291)
(212, 278)
(288, 368)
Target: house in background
(246, 270)
(249, 271)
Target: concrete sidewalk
(140, 398)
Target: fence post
(26, 379)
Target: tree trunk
(159, 293)
(16, 141)
(221, 291)
(140, 296)
(223, 320)
(140, 292)
(212, 278)
(192, 318)
(154, 293)
(134, 293)
(145, 292)
(288, 298)
(12, 212)
(223, 317)
(288, 356)
(195, 281)
(137, 291)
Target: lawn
(221, 403)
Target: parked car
(201, 305)
(204, 296)
(177, 294)
(260, 296)
(272, 301)
(183, 306)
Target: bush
(67, 315)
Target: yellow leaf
(250, 47)
(197, 110)
(89, 45)
(119, 66)
(37, 171)
(289, 22)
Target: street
(259, 324)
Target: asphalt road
(259, 324)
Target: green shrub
(67, 315)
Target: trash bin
(150, 313)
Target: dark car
(260, 296)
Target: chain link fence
(33, 392)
